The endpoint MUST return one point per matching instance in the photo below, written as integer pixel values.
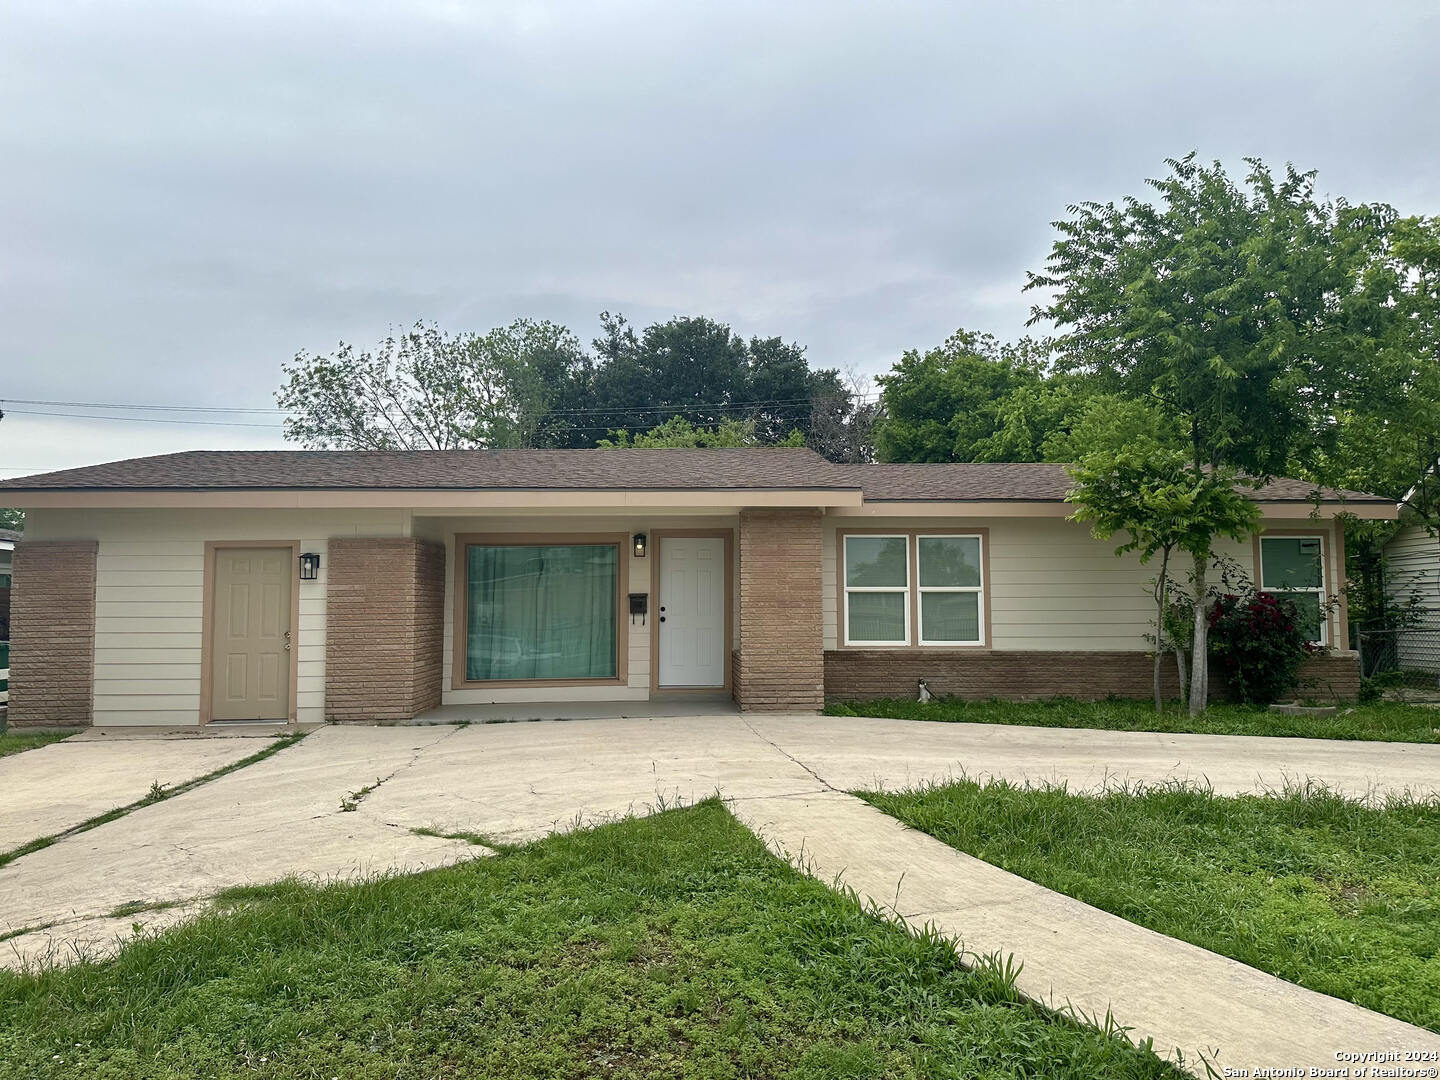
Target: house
(1412, 587)
(1412, 571)
(356, 586)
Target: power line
(140, 419)
(148, 408)
(590, 410)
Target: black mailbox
(639, 605)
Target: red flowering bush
(1257, 640)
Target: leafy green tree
(1164, 505)
(941, 405)
(12, 519)
(700, 369)
(679, 433)
(425, 389)
(1237, 309)
(1063, 418)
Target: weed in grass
(1332, 893)
(674, 945)
(1382, 721)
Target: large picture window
(1294, 566)
(543, 612)
(913, 588)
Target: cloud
(195, 192)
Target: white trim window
(877, 590)
(1294, 567)
(913, 588)
(949, 576)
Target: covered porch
(568, 615)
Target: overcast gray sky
(193, 192)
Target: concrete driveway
(783, 776)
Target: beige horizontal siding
(1052, 586)
(149, 599)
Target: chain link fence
(1409, 657)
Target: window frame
(460, 593)
(913, 589)
(1322, 590)
(921, 589)
(902, 590)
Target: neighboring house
(310, 586)
(1412, 586)
(1412, 571)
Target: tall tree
(1234, 308)
(700, 369)
(941, 405)
(679, 433)
(426, 389)
(842, 420)
(1164, 505)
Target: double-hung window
(950, 590)
(913, 589)
(1294, 567)
(877, 590)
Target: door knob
(662, 618)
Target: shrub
(1259, 644)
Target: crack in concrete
(792, 758)
(351, 800)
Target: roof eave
(426, 498)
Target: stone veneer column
(384, 628)
(781, 664)
(52, 633)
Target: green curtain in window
(541, 612)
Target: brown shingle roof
(751, 468)
(1030, 482)
(769, 468)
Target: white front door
(692, 611)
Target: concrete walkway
(786, 778)
(48, 790)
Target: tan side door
(250, 634)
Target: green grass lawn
(13, 742)
(669, 946)
(1385, 721)
(1311, 887)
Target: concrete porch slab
(679, 705)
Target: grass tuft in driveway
(1315, 888)
(1382, 721)
(672, 946)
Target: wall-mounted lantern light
(639, 542)
(309, 566)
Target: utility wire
(596, 409)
